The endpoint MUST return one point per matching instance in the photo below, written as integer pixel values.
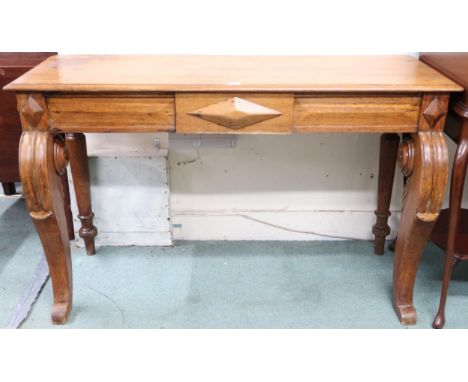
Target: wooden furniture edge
(159, 111)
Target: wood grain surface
(188, 103)
(233, 73)
(115, 114)
(331, 113)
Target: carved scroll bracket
(61, 157)
(43, 156)
(406, 157)
(424, 160)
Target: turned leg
(67, 206)
(389, 143)
(43, 158)
(9, 188)
(456, 193)
(76, 143)
(423, 159)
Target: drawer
(116, 114)
(229, 113)
(378, 113)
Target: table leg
(389, 143)
(76, 143)
(67, 206)
(9, 188)
(460, 164)
(43, 159)
(423, 159)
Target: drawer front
(115, 114)
(230, 113)
(356, 113)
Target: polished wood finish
(456, 194)
(18, 60)
(233, 74)
(439, 235)
(423, 159)
(112, 113)
(225, 117)
(389, 144)
(452, 65)
(43, 159)
(76, 143)
(356, 113)
(12, 65)
(447, 232)
(451, 229)
(67, 206)
(235, 113)
(379, 94)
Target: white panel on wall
(298, 187)
(130, 201)
(126, 144)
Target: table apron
(234, 113)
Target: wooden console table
(231, 95)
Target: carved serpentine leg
(388, 156)
(76, 143)
(423, 159)
(43, 159)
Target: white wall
(297, 187)
(275, 187)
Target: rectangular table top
(233, 73)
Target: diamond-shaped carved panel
(433, 112)
(32, 110)
(235, 113)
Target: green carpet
(221, 284)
